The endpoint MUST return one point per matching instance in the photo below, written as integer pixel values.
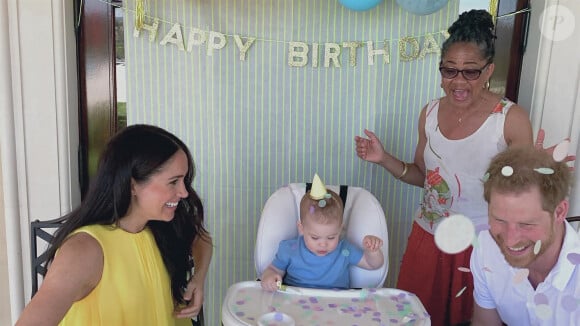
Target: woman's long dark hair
(137, 152)
(474, 26)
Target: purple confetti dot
(541, 298)
(240, 313)
(574, 258)
(376, 313)
(358, 314)
(378, 320)
(302, 301)
(306, 307)
(278, 316)
(481, 227)
(241, 302)
(313, 300)
(569, 303)
(401, 295)
(394, 321)
(332, 305)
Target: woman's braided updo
(474, 26)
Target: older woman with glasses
(459, 134)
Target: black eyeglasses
(468, 74)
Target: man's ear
(561, 211)
(300, 227)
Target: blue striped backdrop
(255, 125)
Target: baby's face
(319, 238)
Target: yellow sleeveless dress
(135, 286)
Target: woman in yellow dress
(125, 256)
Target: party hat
(318, 190)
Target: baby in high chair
(319, 257)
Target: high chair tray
(247, 304)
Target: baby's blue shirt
(305, 269)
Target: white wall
(38, 129)
(550, 81)
(5, 314)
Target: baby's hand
(372, 243)
(271, 282)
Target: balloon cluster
(417, 7)
(422, 7)
(360, 5)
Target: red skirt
(434, 276)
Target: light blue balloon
(422, 7)
(360, 5)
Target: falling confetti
(454, 234)
(561, 150)
(507, 171)
(481, 227)
(569, 303)
(574, 258)
(461, 291)
(537, 247)
(546, 171)
(540, 298)
(485, 177)
(543, 311)
(464, 269)
(521, 275)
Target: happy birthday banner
(299, 54)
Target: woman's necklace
(464, 114)
(460, 118)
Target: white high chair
(367, 303)
(363, 215)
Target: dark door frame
(97, 83)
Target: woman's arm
(485, 317)
(74, 273)
(202, 250)
(517, 127)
